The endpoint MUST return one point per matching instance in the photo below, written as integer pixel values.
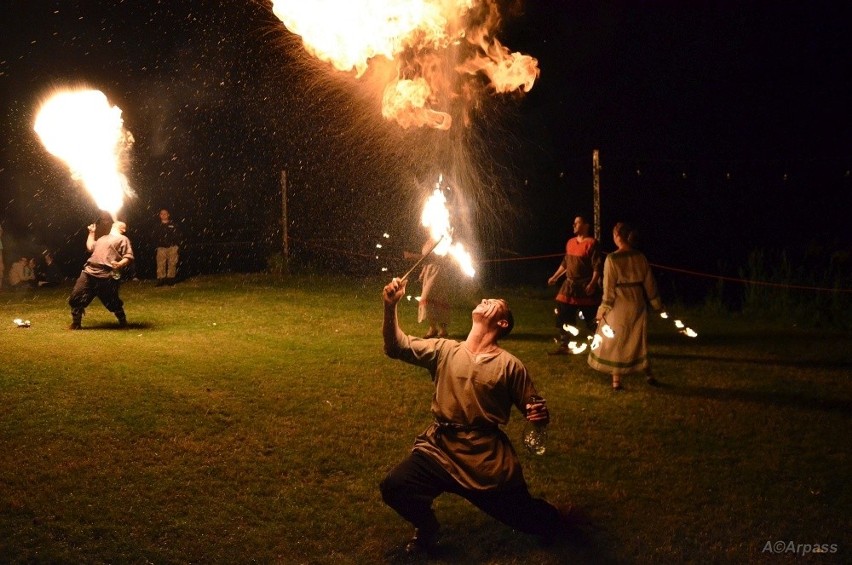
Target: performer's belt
(629, 284)
(454, 428)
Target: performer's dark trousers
(567, 314)
(412, 486)
(87, 288)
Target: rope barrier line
(655, 265)
(527, 258)
(748, 281)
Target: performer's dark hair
(510, 319)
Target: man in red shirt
(580, 291)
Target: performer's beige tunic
(628, 284)
(474, 394)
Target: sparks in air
(85, 131)
(438, 51)
(379, 247)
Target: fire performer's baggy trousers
(89, 287)
(412, 486)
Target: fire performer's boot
(76, 323)
(122, 319)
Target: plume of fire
(436, 218)
(439, 48)
(81, 128)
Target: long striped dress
(629, 285)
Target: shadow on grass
(769, 398)
(754, 338)
(473, 546)
(802, 363)
(113, 326)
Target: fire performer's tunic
(96, 278)
(581, 261)
(628, 285)
(108, 248)
(474, 395)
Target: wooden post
(285, 243)
(596, 185)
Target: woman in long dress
(434, 305)
(620, 343)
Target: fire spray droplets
(82, 129)
(436, 48)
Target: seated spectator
(47, 272)
(21, 274)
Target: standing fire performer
(629, 287)
(436, 281)
(464, 451)
(580, 291)
(100, 275)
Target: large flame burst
(83, 129)
(444, 51)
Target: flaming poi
(86, 132)
(577, 346)
(681, 327)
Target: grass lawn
(243, 418)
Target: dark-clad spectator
(47, 271)
(168, 239)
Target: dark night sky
(722, 126)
